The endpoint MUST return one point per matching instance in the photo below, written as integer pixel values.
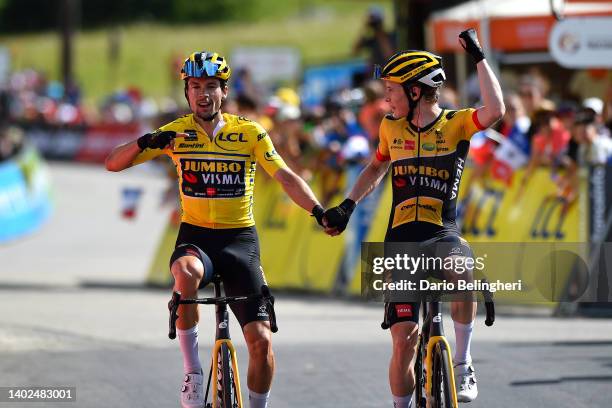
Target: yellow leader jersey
(426, 165)
(217, 176)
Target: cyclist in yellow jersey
(426, 147)
(215, 155)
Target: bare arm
(491, 93)
(122, 156)
(296, 189)
(369, 178)
(490, 90)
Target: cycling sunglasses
(200, 68)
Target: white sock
(188, 342)
(463, 338)
(402, 402)
(257, 400)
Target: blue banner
(24, 195)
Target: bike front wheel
(420, 375)
(443, 384)
(226, 391)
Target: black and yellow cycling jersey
(217, 175)
(426, 165)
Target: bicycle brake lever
(173, 305)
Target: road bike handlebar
(176, 300)
(488, 302)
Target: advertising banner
(24, 195)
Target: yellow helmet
(205, 64)
(413, 66)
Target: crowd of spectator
(539, 131)
(343, 131)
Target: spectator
(378, 43)
(373, 111)
(549, 143)
(532, 92)
(588, 145)
(590, 83)
(11, 141)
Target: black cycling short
(234, 253)
(430, 240)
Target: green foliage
(321, 33)
(206, 11)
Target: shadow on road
(561, 380)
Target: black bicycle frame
(222, 315)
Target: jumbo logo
(213, 178)
(408, 170)
(224, 140)
(212, 166)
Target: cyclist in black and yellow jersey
(215, 155)
(426, 148)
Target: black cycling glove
(338, 217)
(472, 46)
(318, 212)
(156, 140)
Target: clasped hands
(334, 220)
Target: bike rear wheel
(443, 387)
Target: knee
(404, 346)
(187, 271)
(260, 347)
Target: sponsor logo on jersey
(428, 147)
(407, 207)
(458, 173)
(190, 178)
(230, 141)
(261, 136)
(399, 182)
(401, 144)
(271, 155)
(191, 135)
(410, 170)
(440, 138)
(428, 207)
(205, 178)
(191, 145)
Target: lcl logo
(232, 137)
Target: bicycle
(226, 393)
(435, 380)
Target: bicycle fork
(216, 369)
(436, 335)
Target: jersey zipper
(416, 187)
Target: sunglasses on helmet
(200, 68)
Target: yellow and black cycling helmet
(409, 67)
(205, 64)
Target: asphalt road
(75, 313)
